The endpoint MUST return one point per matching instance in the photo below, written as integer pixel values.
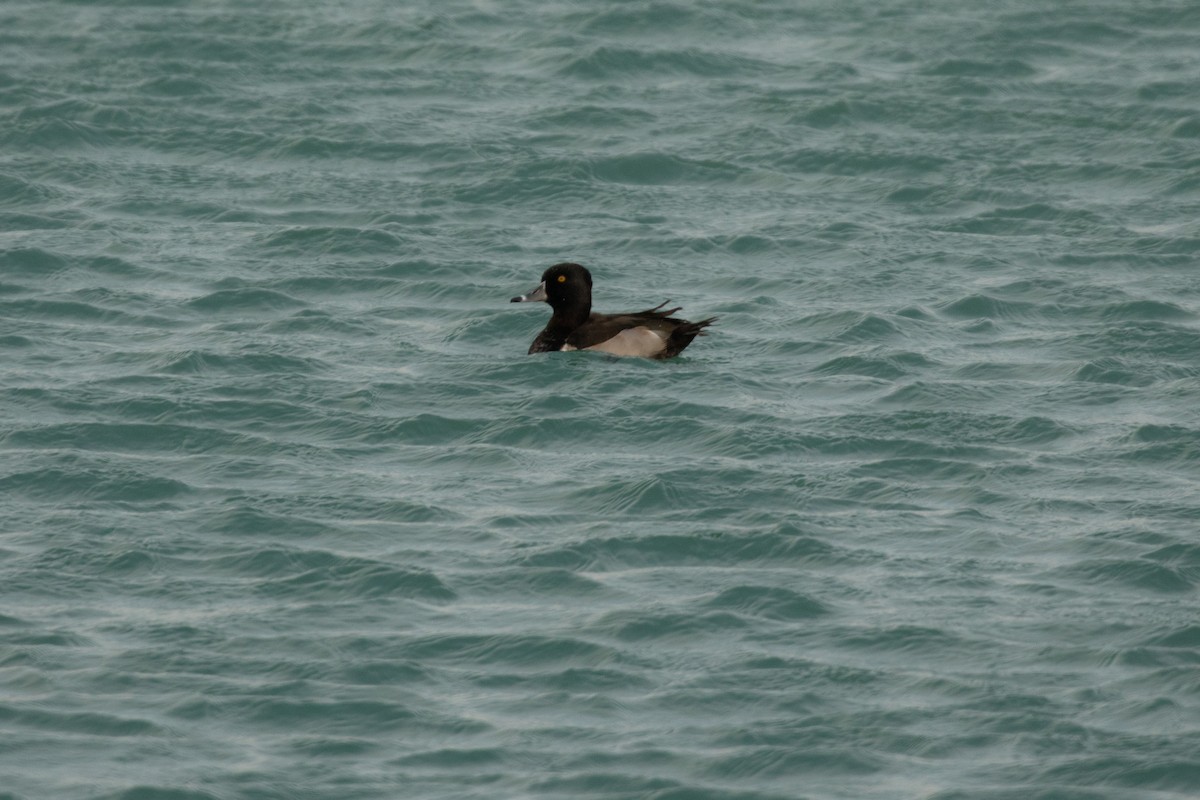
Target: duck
(652, 333)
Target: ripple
(455, 758)
(892, 366)
(974, 68)
(1138, 574)
(1113, 370)
(527, 581)
(21, 192)
(329, 717)
(99, 482)
(668, 549)
(592, 117)
(31, 262)
(776, 762)
(982, 306)
(607, 62)
(1145, 310)
(502, 649)
(241, 300)
(1165, 445)
(156, 791)
(83, 723)
(637, 626)
(202, 362)
(1134, 771)
(896, 639)
(178, 86)
(132, 438)
(769, 602)
(331, 241)
(323, 576)
(1186, 637)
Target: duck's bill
(537, 295)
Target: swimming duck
(652, 333)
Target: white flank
(632, 342)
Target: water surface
(287, 512)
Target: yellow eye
(562, 278)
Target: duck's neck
(560, 326)
(568, 318)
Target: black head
(566, 287)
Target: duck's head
(563, 286)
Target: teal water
(287, 512)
